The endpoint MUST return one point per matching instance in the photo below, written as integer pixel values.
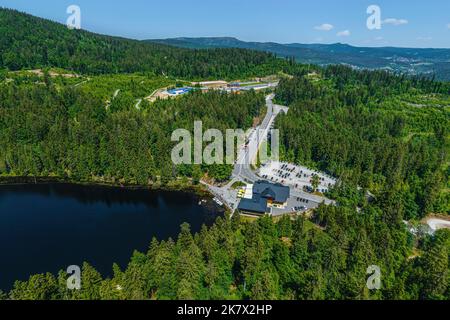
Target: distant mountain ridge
(408, 60)
(29, 42)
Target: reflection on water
(45, 228)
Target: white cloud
(424, 38)
(344, 33)
(448, 26)
(378, 38)
(324, 27)
(319, 39)
(395, 22)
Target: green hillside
(384, 136)
(51, 44)
(430, 62)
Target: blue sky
(408, 23)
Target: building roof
(276, 192)
(248, 192)
(178, 91)
(256, 205)
(262, 192)
(209, 83)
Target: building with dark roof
(275, 193)
(265, 195)
(256, 205)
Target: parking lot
(295, 204)
(297, 177)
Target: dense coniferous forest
(375, 131)
(267, 260)
(30, 42)
(413, 61)
(398, 155)
(362, 128)
(71, 134)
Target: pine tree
(435, 267)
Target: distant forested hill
(409, 60)
(373, 130)
(31, 42)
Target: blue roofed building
(265, 196)
(179, 91)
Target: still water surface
(47, 227)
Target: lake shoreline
(199, 189)
(70, 222)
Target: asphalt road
(243, 172)
(247, 154)
(242, 169)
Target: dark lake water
(46, 228)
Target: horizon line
(229, 37)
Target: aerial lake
(48, 227)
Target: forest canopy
(51, 44)
(385, 133)
(384, 136)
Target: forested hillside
(385, 133)
(382, 135)
(30, 42)
(413, 61)
(46, 130)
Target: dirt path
(437, 222)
